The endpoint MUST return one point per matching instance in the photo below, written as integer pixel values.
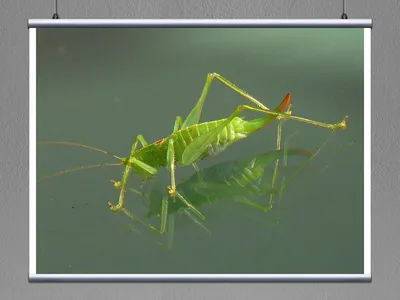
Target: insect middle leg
(171, 166)
(172, 188)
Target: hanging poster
(200, 150)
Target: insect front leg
(141, 139)
(132, 161)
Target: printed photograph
(199, 151)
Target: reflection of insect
(191, 141)
(241, 179)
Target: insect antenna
(77, 169)
(73, 144)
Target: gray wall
(14, 146)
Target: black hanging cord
(344, 15)
(55, 15)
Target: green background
(102, 87)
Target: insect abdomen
(233, 132)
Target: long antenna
(77, 169)
(73, 144)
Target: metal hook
(344, 15)
(55, 15)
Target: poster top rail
(207, 23)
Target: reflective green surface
(102, 87)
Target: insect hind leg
(194, 115)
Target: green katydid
(192, 141)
